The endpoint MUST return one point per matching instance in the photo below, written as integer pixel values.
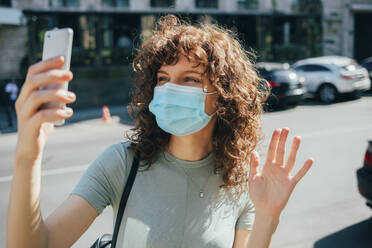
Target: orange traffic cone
(106, 116)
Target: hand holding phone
(57, 42)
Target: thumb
(48, 128)
(253, 165)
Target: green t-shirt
(164, 208)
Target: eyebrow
(188, 71)
(160, 71)
(193, 71)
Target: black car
(367, 63)
(364, 176)
(287, 88)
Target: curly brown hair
(229, 68)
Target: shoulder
(115, 158)
(119, 149)
(103, 181)
(112, 165)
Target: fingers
(34, 82)
(35, 69)
(280, 151)
(39, 97)
(31, 96)
(49, 115)
(46, 65)
(293, 153)
(254, 163)
(308, 163)
(273, 145)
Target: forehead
(182, 63)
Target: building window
(247, 4)
(5, 3)
(307, 7)
(64, 3)
(115, 3)
(162, 3)
(206, 4)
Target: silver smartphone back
(57, 42)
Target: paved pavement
(324, 211)
(79, 115)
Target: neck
(192, 147)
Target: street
(325, 209)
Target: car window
(312, 68)
(263, 72)
(368, 65)
(300, 68)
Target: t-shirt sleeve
(102, 182)
(246, 218)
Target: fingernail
(60, 58)
(66, 94)
(70, 95)
(66, 111)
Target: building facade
(13, 38)
(106, 31)
(106, 27)
(346, 28)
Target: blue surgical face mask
(179, 110)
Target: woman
(198, 105)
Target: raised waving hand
(271, 188)
(35, 125)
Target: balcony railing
(210, 4)
(116, 3)
(64, 3)
(247, 4)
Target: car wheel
(357, 94)
(327, 94)
(293, 105)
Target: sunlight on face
(183, 72)
(188, 73)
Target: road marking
(51, 172)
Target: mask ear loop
(210, 93)
(204, 89)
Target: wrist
(266, 215)
(266, 221)
(21, 162)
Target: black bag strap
(124, 197)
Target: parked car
(329, 76)
(367, 63)
(286, 87)
(364, 176)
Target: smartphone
(57, 42)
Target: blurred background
(316, 55)
(106, 31)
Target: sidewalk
(79, 115)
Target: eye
(162, 79)
(192, 80)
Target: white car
(328, 76)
